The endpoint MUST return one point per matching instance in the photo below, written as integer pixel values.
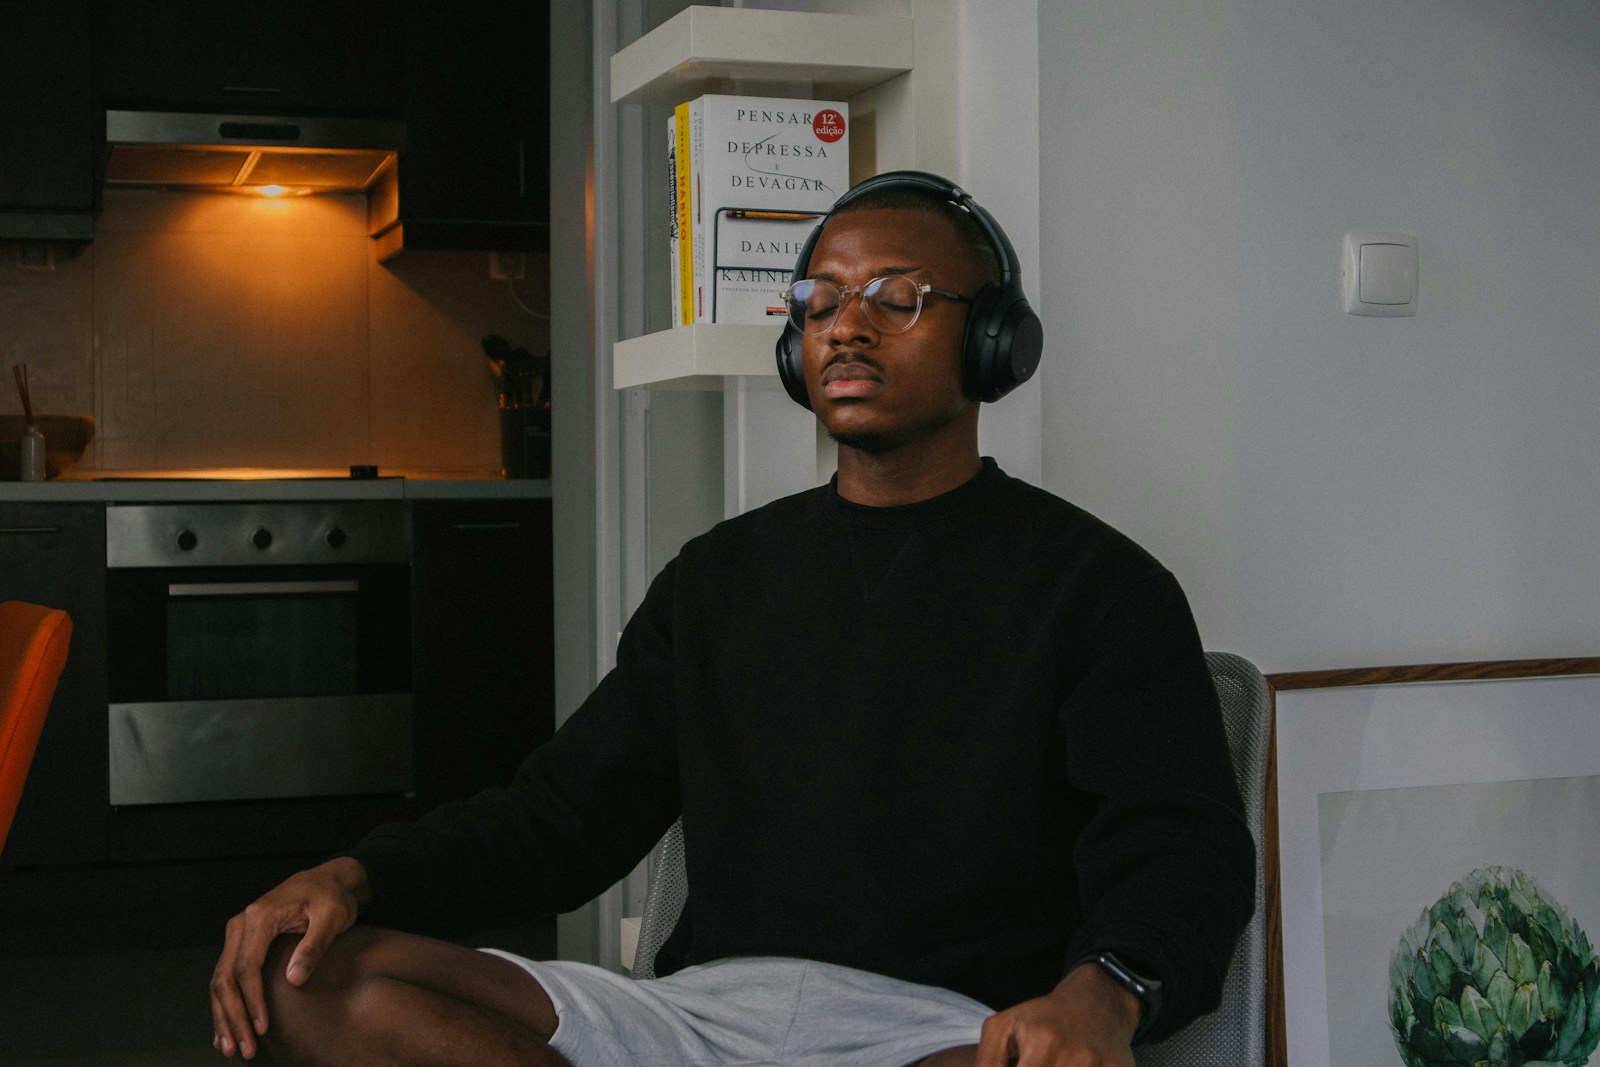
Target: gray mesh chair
(1233, 1036)
(663, 900)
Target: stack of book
(750, 178)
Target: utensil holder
(30, 454)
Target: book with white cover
(760, 172)
(674, 222)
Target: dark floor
(105, 964)
(129, 1009)
(137, 1008)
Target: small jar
(32, 454)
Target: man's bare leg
(964, 1056)
(386, 998)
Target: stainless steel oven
(259, 651)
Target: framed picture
(1399, 786)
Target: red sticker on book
(828, 125)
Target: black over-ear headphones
(1004, 337)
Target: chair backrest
(33, 649)
(663, 901)
(1235, 1034)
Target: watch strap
(1148, 990)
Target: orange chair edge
(46, 633)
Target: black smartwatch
(1148, 990)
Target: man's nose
(852, 321)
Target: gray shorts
(750, 1012)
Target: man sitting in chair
(951, 769)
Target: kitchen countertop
(259, 484)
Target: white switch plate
(1378, 273)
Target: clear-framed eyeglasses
(892, 304)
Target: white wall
(997, 94)
(1332, 490)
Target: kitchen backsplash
(219, 330)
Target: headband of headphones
(1004, 338)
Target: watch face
(1140, 987)
(1148, 990)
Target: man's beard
(872, 442)
(882, 442)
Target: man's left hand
(1088, 1020)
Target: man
(952, 775)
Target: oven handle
(260, 588)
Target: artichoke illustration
(1495, 974)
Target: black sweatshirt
(964, 742)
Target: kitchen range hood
(248, 152)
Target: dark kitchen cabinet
(92, 877)
(475, 172)
(483, 656)
(48, 126)
(471, 81)
(55, 555)
(289, 57)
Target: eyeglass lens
(891, 304)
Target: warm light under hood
(324, 155)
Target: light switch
(1379, 274)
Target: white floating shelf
(695, 357)
(701, 47)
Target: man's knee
(306, 1021)
(373, 985)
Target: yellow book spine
(686, 313)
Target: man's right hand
(320, 904)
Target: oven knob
(187, 540)
(336, 537)
(262, 538)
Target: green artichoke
(1495, 974)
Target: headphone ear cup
(977, 355)
(791, 343)
(791, 365)
(1023, 335)
(1003, 343)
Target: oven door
(233, 683)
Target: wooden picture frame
(1369, 764)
